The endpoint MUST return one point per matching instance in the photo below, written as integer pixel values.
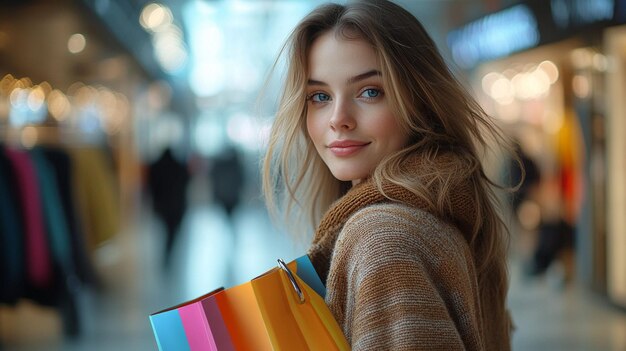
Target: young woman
(379, 144)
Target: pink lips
(346, 147)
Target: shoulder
(400, 265)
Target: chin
(347, 176)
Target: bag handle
(294, 283)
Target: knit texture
(461, 213)
(399, 277)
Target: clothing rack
(57, 194)
(52, 181)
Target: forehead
(331, 55)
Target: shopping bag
(283, 309)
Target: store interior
(92, 107)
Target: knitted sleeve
(400, 279)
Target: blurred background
(131, 133)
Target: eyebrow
(351, 80)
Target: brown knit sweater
(398, 277)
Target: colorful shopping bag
(283, 309)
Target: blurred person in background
(380, 146)
(167, 183)
(560, 199)
(555, 239)
(543, 192)
(228, 179)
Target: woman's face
(348, 116)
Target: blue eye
(371, 93)
(319, 97)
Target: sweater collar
(428, 173)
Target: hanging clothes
(39, 264)
(12, 265)
(97, 195)
(56, 227)
(51, 203)
(60, 163)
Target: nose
(342, 116)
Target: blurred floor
(548, 315)
(551, 316)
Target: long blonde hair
(430, 104)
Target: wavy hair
(430, 104)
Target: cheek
(387, 126)
(390, 130)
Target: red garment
(38, 261)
